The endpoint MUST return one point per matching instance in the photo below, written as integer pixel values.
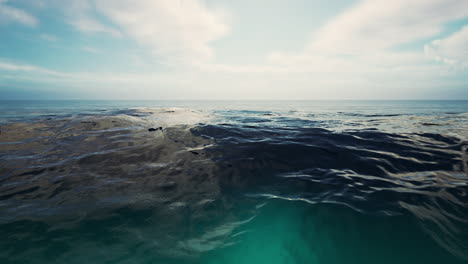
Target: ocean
(276, 182)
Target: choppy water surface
(234, 182)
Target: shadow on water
(409, 188)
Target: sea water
(234, 182)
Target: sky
(242, 50)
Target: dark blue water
(234, 181)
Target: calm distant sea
(35, 108)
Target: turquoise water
(234, 182)
(297, 233)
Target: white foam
(166, 117)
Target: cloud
(375, 25)
(82, 15)
(231, 82)
(90, 25)
(11, 14)
(20, 68)
(174, 32)
(178, 31)
(452, 50)
(357, 53)
(365, 39)
(22, 71)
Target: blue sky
(220, 49)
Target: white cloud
(32, 72)
(452, 50)
(179, 31)
(381, 24)
(377, 62)
(356, 54)
(11, 14)
(22, 71)
(90, 25)
(176, 32)
(364, 38)
(236, 82)
(81, 15)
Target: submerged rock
(152, 129)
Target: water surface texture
(323, 182)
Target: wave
(188, 188)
